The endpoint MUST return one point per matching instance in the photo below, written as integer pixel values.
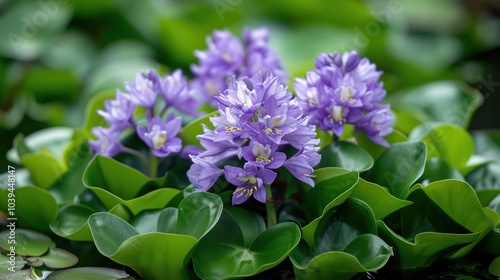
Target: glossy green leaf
(58, 258)
(337, 229)
(378, 198)
(324, 173)
(343, 265)
(452, 143)
(428, 246)
(443, 101)
(343, 246)
(72, 221)
(491, 243)
(474, 162)
(85, 273)
(324, 196)
(376, 150)
(399, 167)
(485, 178)
(189, 132)
(113, 190)
(325, 192)
(345, 155)
(146, 221)
(156, 254)
(35, 207)
(251, 223)
(28, 243)
(237, 260)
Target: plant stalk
(270, 208)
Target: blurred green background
(56, 54)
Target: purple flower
(264, 156)
(300, 165)
(107, 143)
(160, 135)
(344, 89)
(249, 181)
(118, 111)
(143, 92)
(203, 174)
(376, 124)
(175, 92)
(228, 57)
(258, 118)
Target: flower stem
(136, 153)
(153, 165)
(270, 208)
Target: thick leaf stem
(270, 207)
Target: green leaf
(198, 213)
(494, 267)
(31, 213)
(5, 263)
(376, 150)
(85, 273)
(324, 173)
(451, 196)
(444, 101)
(345, 155)
(378, 198)
(428, 246)
(237, 260)
(436, 169)
(44, 168)
(70, 184)
(58, 258)
(452, 143)
(485, 178)
(343, 246)
(324, 196)
(336, 228)
(156, 254)
(251, 223)
(327, 191)
(72, 221)
(53, 139)
(113, 190)
(28, 243)
(399, 167)
(189, 132)
(487, 143)
(28, 30)
(146, 221)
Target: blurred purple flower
(107, 143)
(143, 92)
(160, 135)
(175, 92)
(228, 57)
(118, 111)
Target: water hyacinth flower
(149, 90)
(344, 89)
(160, 135)
(258, 118)
(227, 56)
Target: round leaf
(58, 258)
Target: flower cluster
(258, 118)
(227, 57)
(156, 96)
(344, 89)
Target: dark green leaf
(85, 273)
(345, 155)
(28, 243)
(399, 167)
